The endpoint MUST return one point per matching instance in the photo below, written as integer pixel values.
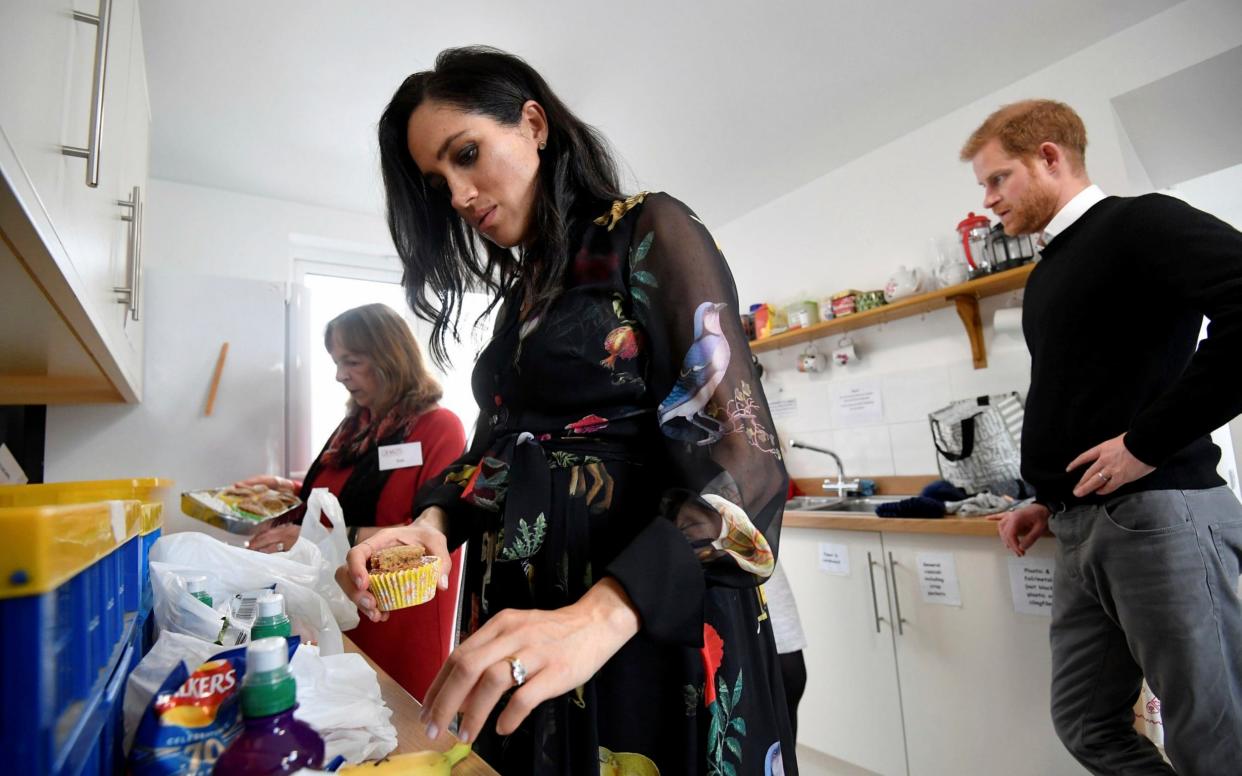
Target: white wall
(216, 232)
(188, 316)
(853, 227)
(218, 263)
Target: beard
(1032, 212)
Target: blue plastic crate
(93, 745)
(71, 633)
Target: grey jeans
(1147, 586)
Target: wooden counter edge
(853, 521)
(412, 734)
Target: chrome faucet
(841, 485)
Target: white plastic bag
(332, 543)
(317, 607)
(333, 546)
(339, 696)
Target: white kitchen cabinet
(67, 238)
(961, 690)
(852, 705)
(975, 677)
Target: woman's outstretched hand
(554, 651)
(428, 530)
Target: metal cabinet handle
(103, 23)
(875, 606)
(130, 294)
(896, 595)
(137, 284)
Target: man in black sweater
(1116, 443)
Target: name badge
(400, 456)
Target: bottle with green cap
(197, 587)
(272, 620)
(272, 743)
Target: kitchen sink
(861, 504)
(811, 503)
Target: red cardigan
(414, 643)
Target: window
(323, 290)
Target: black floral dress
(624, 433)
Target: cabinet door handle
(103, 23)
(136, 305)
(875, 606)
(896, 595)
(129, 294)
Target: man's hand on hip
(1109, 466)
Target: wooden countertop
(855, 521)
(412, 734)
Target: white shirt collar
(1073, 210)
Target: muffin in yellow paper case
(403, 576)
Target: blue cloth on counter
(943, 490)
(918, 506)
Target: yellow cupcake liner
(408, 587)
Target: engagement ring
(518, 670)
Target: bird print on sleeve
(683, 414)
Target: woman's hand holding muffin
(354, 577)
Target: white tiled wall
(919, 365)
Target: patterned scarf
(358, 434)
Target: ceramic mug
(845, 354)
(812, 361)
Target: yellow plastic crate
(42, 547)
(145, 489)
(152, 517)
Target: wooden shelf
(964, 297)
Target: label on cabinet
(938, 579)
(834, 559)
(1030, 579)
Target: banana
(625, 764)
(427, 763)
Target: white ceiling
(1184, 126)
(727, 104)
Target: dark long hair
(440, 253)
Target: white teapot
(904, 282)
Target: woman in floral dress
(622, 496)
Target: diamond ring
(518, 670)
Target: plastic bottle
(272, 620)
(273, 743)
(197, 587)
